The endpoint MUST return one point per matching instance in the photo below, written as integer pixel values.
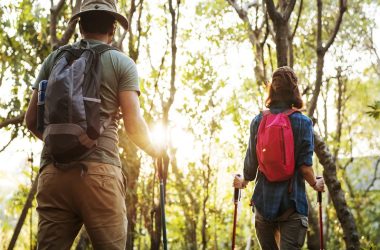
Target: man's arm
(31, 116)
(135, 124)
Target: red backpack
(275, 146)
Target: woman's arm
(250, 162)
(318, 184)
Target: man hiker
(279, 159)
(91, 191)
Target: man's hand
(157, 151)
(239, 182)
(161, 157)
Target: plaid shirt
(271, 199)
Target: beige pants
(69, 198)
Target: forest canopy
(204, 67)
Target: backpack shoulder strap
(291, 111)
(68, 51)
(101, 48)
(266, 112)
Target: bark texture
(280, 19)
(346, 219)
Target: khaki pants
(288, 232)
(69, 198)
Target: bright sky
(14, 158)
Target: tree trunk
(313, 232)
(351, 236)
(155, 235)
(24, 213)
(190, 209)
(131, 169)
(281, 39)
(280, 19)
(318, 83)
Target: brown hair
(284, 88)
(99, 22)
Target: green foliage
(375, 110)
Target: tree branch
(243, 15)
(288, 11)
(2, 73)
(371, 47)
(14, 120)
(6, 145)
(174, 23)
(139, 29)
(243, 9)
(54, 11)
(298, 20)
(375, 177)
(266, 31)
(71, 26)
(247, 6)
(273, 13)
(342, 9)
(24, 213)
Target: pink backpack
(275, 146)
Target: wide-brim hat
(108, 6)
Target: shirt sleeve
(128, 78)
(307, 144)
(250, 161)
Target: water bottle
(41, 105)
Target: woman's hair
(284, 89)
(99, 22)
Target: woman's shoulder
(301, 117)
(300, 121)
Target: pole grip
(159, 168)
(319, 197)
(237, 193)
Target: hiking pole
(236, 202)
(162, 201)
(319, 199)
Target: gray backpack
(71, 123)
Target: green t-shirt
(119, 73)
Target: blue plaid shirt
(271, 199)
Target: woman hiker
(279, 198)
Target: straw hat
(108, 6)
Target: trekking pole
(162, 202)
(236, 202)
(319, 199)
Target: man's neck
(99, 37)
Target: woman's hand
(239, 182)
(319, 184)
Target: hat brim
(119, 18)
